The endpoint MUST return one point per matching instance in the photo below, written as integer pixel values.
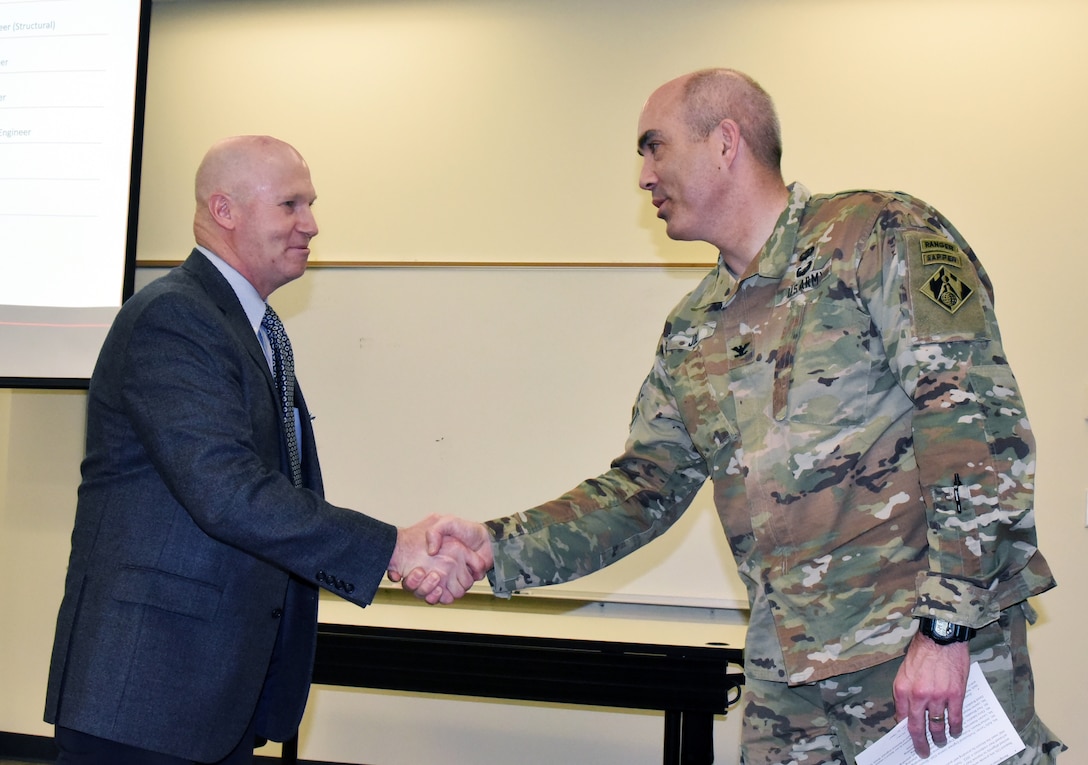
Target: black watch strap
(944, 632)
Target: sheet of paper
(988, 737)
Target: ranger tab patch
(940, 252)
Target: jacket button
(277, 613)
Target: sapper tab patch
(940, 252)
(946, 290)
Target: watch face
(942, 628)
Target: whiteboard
(485, 391)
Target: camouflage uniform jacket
(850, 399)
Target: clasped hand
(439, 558)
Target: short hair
(712, 95)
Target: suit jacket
(190, 602)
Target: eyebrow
(646, 137)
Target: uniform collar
(773, 260)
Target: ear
(221, 207)
(729, 133)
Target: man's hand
(442, 568)
(444, 532)
(929, 686)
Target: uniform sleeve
(932, 305)
(604, 519)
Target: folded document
(988, 737)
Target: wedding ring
(937, 719)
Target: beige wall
(500, 131)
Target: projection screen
(72, 83)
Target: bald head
(712, 95)
(236, 165)
(253, 200)
(711, 156)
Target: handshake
(439, 558)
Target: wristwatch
(944, 632)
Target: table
(690, 683)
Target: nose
(647, 178)
(307, 223)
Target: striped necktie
(284, 369)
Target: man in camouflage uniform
(839, 376)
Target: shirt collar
(773, 259)
(247, 294)
(777, 253)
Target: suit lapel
(222, 294)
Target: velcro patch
(740, 350)
(952, 308)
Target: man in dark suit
(201, 537)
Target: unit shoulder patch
(946, 290)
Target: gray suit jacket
(190, 603)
